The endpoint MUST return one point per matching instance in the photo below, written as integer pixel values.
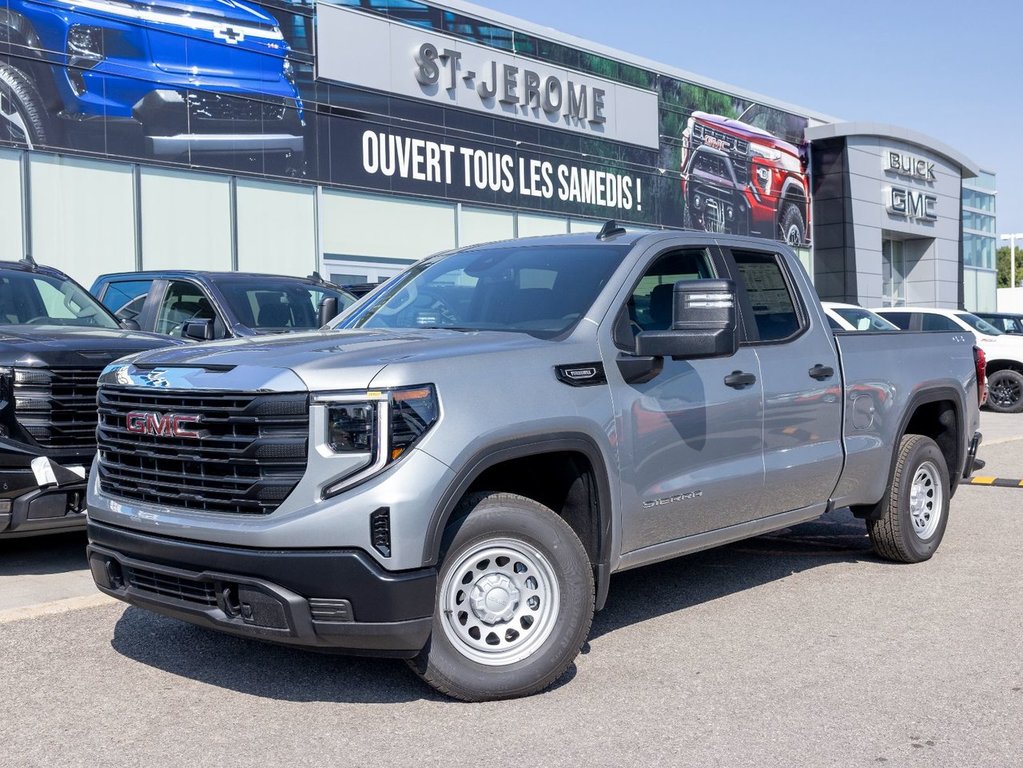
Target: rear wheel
(1005, 391)
(22, 116)
(914, 512)
(514, 601)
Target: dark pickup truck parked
(54, 341)
(204, 306)
(452, 472)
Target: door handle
(738, 379)
(821, 372)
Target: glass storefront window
(979, 200)
(978, 221)
(979, 251)
(893, 273)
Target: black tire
(508, 661)
(23, 119)
(907, 531)
(1005, 391)
(792, 225)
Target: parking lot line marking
(998, 482)
(55, 606)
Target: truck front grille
(218, 106)
(737, 150)
(184, 589)
(236, 453)
(57, 406)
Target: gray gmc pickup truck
(452, 472)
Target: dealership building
(353, 138)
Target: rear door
(798, 369)
(690, 444)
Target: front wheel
(792, 225)
(1005, 391)
(23, 120)
(514, 601)
(914, 511)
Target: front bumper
(336, 599)
(29, 507)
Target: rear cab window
(777, 314)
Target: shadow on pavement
(289, 674)
(39, 555)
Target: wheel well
(994, 366)
(939, 421)
(563, 481)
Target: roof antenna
(29, 261)
(610, 229)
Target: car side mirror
(327, 310)
(129, 324)
(198, 330)
(703, 323)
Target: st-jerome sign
(370, 52)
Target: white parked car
(852, 317)
(1004, 351)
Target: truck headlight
(351, 427)
(768, 153)
(375, 428)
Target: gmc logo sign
(161, 424)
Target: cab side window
(774, 308)
(181, 303)
(931, 322)
(649, 308)
(902, 319)
(125, 298)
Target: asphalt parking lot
(797, 648)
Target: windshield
(979, 325)
(273, 306)
(35, 298)
(542, 290)
(863, 319)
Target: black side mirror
(703, 323)
(327, 310)
(129, 325)
(198, 330)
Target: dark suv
(54, 341)
(219, 305)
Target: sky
(950, 70)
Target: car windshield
(36, 298)
(277, 305)
(863, 319)
(542, 290)
(979, 325)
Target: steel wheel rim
(926, 500)
(1005, 393)
(499, 602)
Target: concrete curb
(55, 606)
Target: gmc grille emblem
(161, 424)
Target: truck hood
(43, 345)
(318, 361)
(746, 131)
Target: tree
(1003, 266)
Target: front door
(690, 445)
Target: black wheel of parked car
(914, 511)
(792, 225)
(23, 118)
(514, 601)
(1005, 391)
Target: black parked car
(1003, 321)
(54, 340)
(217, 305)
